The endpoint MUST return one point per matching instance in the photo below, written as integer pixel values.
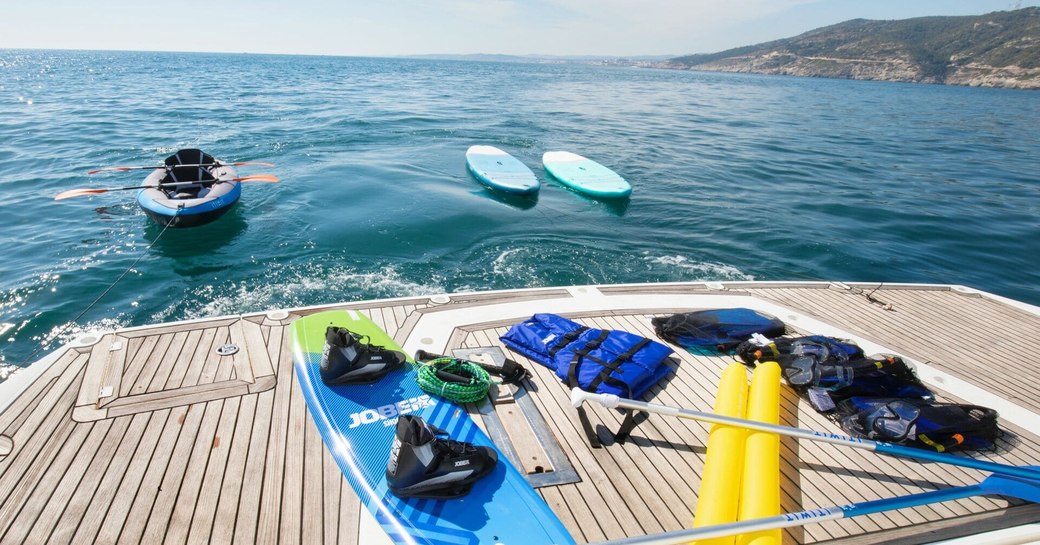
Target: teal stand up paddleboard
(585, 175)
(499, 170)
(358, 424)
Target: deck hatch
(155, 368)
(517, 427)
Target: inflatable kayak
(192, 189)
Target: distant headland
(1000, 49)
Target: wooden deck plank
(976, 343)
(163, 374)
(139, 432)
(28, 496)
(170, 517)
(213, 359)
(374, 314)
(250, 504)
(274, 468)
(257, 361)
(191, 367)
(313, 513)
(95, 371)
(400, 314)
(225, 366)
(595, 517)
(183, 396)
(41, 507)
(554, 499)
(587, 527)
(149, 357)
(249, 499)
(25, 404)
(169, 359)
(332, 482)
(164, 472)
(234, 477)
(133, 345)
(132, 367)
(53, 413)
(85, 485)
(390, 320)
(407, 326)
(201, 525)
(290, 526)
(114, 508)
(349, 516)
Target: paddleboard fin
(424, 463)
(348, 360)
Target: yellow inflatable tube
(720, 482)
(760, 485)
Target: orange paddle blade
(78, 193)
(256, 178)
(112, 169)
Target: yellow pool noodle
(720, 482)
(760, 485)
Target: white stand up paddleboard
(499, 170)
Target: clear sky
(404, 27)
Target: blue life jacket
(596, 360)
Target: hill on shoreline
(1000, 49)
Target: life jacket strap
(609, 368)
(572, 381)
(566, 339)
(631, 420)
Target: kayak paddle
(610, 401)
(1025, 489)
(80, 192)
(239, 164)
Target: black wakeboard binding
(347, 360)
(424, 463)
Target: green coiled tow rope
(475, 390)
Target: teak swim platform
(197, 431)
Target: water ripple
(736, 177)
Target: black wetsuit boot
(423, 465)
(347, 360)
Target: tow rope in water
(72, 323)
(456, 380)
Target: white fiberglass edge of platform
(1027, 534)
(432, 331)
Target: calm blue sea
(736, 177)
